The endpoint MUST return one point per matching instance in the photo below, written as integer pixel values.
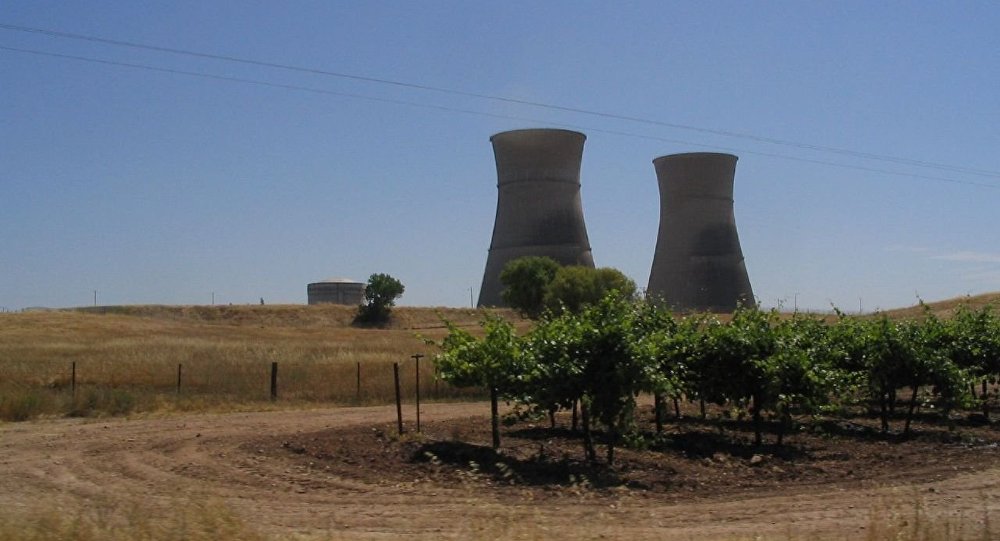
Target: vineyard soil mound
(691, 459)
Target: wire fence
(89, 388)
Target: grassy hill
(944, 309)
(129, 358)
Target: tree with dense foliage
(601, 358)
(554, 366)
(380, 296)
(602, 355)
(525, 281)
(575, 287)
(535, 284)
(974, 345)
(493, 362)
(885, 356)
(802, 375)
(617, 365)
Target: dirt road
(204, 457)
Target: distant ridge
(945, 308)
(294, 315)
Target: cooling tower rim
(537, 131)
(694, 156)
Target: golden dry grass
(181, 520)
(896, 519)
(944, 309)
(127, 358)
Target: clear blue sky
(156, 187)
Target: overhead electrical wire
(351, 95)
(505, 99)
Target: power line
(485, 114)
(506, 99)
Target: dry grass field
(127, 358)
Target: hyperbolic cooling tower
(539, 212)
(698, 264)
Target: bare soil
(346, 473)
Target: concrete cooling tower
(539, 212)
(698, 264)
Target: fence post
(274, 380)
(416, 357)
(72, 379)
(399, 404)
(179, 366)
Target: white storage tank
(336, 291)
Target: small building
(336, 291)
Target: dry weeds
(128, 358)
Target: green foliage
(973, 341)
(533, 285)
(380, 296)
(602, 355)
(575, 287)
(885, 356)
(525, 281)
(616, 364)
(554, 361)
(494, 361)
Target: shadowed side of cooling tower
(698, 264)
(539, 211)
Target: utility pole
(95, 297)
(472, 303)
(213, 298)
(796, 301)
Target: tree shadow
(539, 470)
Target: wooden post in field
(399, 403)
(274, 380)
(72, 379)
(416, 357)
(358, 393)
(179, 367)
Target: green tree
(575, 287)
(801, 376)
(602, 357)
(762, 362)
(380, 296)
(974, 345)
(525, 281)
(554, 365)
(886, 355)
(494, 362)
(666, 345)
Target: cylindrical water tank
(698, 264)
(336, 291)
(539, 211)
